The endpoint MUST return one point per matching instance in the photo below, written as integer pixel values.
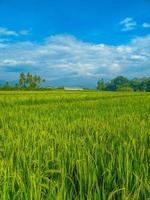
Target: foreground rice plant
(74, 145)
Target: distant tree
(29, 81)
(148, 85)
(140, 84)
(118, 82)
(22, 80)
(7, 86)
(121, 83)
(17, 86)
(125, 89)
(101, 85)
(34, 81)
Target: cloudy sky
(68, 39)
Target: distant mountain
(83, 82)
(2, 82)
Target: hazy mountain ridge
(82, 82)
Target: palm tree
(22, 80)
(29, 81)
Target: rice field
(80, 145)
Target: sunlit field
(67, 145)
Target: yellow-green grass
(74, 145)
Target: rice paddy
(77, 145)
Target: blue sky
(80, 38)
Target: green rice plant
(76, 145)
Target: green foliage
(125, 89)
(141, 84)
(6, 86)
(29, 81)
(122, 82)
(25, 82)
(101, 85)
(118, 82)
(22, 80)
(74, 145)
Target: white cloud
(63, 56)
(115, 67)
(146, 25)
(4, 31)
(128, 24)
(2, 40)
(24, 32)
(2, 45)
(14, 62)
(7, 32)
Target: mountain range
(83, 82)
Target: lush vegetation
(74, 145)
(121, 83)
(26, 81)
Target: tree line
(121, 83)
(25, 81)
